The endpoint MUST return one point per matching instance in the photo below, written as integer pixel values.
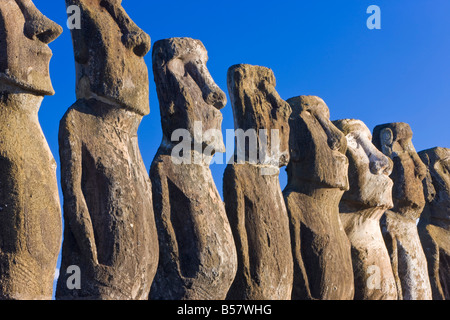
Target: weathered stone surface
(399, 225)
(30, 213)
(317, 179)
(434, 224)
(251, 188)
(197, 251)
(110, 233)
(361, 208)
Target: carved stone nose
(138, 41)
(41, 28)
(216, 97)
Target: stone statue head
(395, 141)
(317, 147)
(109, 54)
(437, 182)
(187, 93)
(24, 53)
(258, 106)
(369, 169)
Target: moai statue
(399, 224)
(434, 224)
(361, 209)
(251, 187)
(197, 252)
(317, 179)
(30, 214)
(110, 232)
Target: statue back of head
(109, 54)
(24, 53)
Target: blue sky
(400, 73)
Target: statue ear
(386, 138)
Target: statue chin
(41, 88)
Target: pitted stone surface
(434, 224)
(110, 232)
(399, 224)
(30, 214)
(317, 179)
(197, 252)
(252, 193)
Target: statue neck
(324, 196)
(19, 101)
(115, 116)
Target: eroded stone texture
(399, 224)
(252, 194)
(317, 179)
(361, 208)
(110, 233)
(197, 251)
(30, 214)
(434, 224)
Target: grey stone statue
(197, 252)
(361, 209)
(110, 232)
(30, 214)
(317, 179)
(399, 224)
(251, 187)
(434, 224)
